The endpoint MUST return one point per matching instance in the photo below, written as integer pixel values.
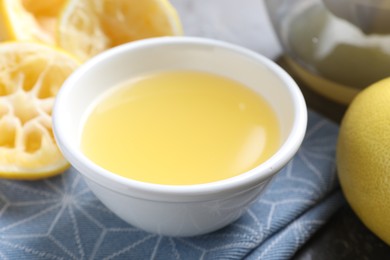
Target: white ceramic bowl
(178, 210)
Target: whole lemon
(363, 157)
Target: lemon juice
(180, 128)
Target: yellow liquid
(180, 128)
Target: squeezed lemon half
(87, 27)
(29, 20)
(31, 75)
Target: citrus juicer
(336, 47)
(371, 16)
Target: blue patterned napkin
(59, 218)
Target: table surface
(246, 23)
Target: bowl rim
(221, 188)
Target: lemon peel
(363, 157)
